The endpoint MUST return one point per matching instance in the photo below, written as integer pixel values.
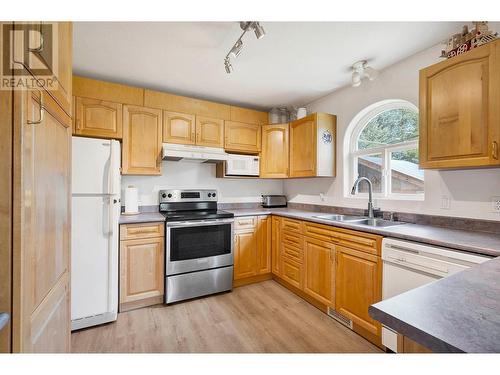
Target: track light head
(237, 48)
(258, 30)
(361, 70)
(228, 66)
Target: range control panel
(177, 195)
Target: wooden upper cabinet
(142, 140)
(460, 110)
(274, 156)
(312, 146)
(209, 132)
(358, 284)
(179, 128)
(97, 118)
(248, 116)
(319, 267)
(242, 137)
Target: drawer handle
(142, 230)
(494, 150)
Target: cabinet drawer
(292, 252)
(245, 222)
(143, 230)
(360, 241)
(292, 238)
(291, 225)
(292, 272)
(321, 232)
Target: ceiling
(295, 63)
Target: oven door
(198, 245)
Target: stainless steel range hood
(195, 154)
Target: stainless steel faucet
(370, 194)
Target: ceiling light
(237, 48)
(360, 70)
(258, 30)
(228, 66)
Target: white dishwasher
(408, 265)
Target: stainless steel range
(199, 244)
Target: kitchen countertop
(142, 217)
(460, 313)
(476, 242)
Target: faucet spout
(370, 194)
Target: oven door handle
(177, 224)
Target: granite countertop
(460, 313)
(142, 217)
(476, 242)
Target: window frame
(359, 124)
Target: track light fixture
(235, 51)
(361, 70)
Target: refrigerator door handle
(111, 169)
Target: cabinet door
(141, 269)
(303, 147)
(264, 245)
(274, 157)
(209, 132)
(179, 128)
(319, 266)
(459, 115)
(291, 271)
(142, 140)
(41, 246)
(245, 254)
(358, 283)
(98, 118)
(242, 137)
(276, 244)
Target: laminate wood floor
(258, 318)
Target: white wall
(470, 191)
(186, 175)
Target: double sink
(360, 220)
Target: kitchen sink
(340, 217)
(377, 222)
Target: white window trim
(356, 126)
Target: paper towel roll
(131, 200)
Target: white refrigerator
(95, 213)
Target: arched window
(384, 148)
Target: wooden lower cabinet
(406, 345)
(142, 274)
(275, 245)
(291, 272)
(252, 249)
(319, 257)
(358, 280)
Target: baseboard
(252, 280)
(127, 306)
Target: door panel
(318, 269)
(264, 249)
(245, 254)
(209, 132)
(276, 245)
(274, 157)
(142, 140)
(242, 137)
(303, 147)
(98, 118)
(179, 128)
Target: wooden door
(459, 115)
(51, 46)
(274, 157)
(275, 244)
(179, 128)
(142, 140)
(209, 132)
(264, 245)
(142, 274)
(303, 147)
(242, 137)
(41, 242)
(319, 266)
(245, 254)
(358, 284)
(291, 272)
(98, 118)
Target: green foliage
(389, 127)
(408, 155)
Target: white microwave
(241, 165)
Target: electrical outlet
(495, 204)
(445, 202)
